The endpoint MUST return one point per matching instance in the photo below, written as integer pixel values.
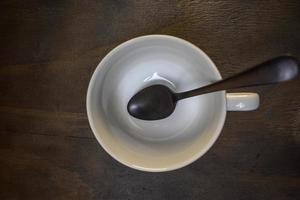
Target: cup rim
(178, 165)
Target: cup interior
(159, 145)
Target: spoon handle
(273, 71)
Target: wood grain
(48, 52)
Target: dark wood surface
(48, 51)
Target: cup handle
(242, 101)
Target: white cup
(170, 143)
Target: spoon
(158, 101)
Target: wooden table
(48, 52)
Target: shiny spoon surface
(158, 101)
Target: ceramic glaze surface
(162, 144)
